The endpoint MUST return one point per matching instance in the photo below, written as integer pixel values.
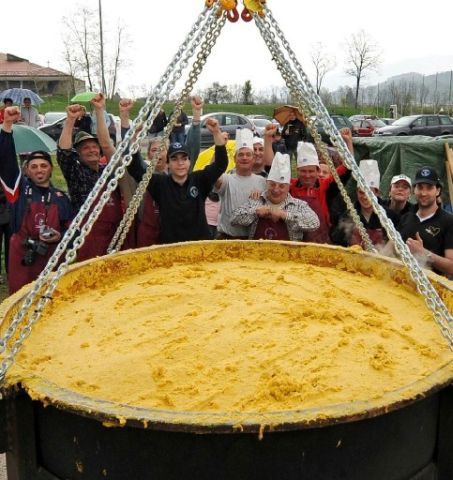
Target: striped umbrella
(17, 95)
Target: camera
(47, 232)
(33, 249)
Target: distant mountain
(406, 88)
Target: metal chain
(48, 278)
(432, 299)
(291, 81)
(210, 35)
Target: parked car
(430, 125)
(388, 121)
(55, 128)
(340, 121)
(260, 124)
(229, 122)
(367, 126)
(254, 116)
(51, 117)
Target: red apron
(98, 240)
(376, 236)
(148, 231)
(36, 216)
(267, 229)
(321, 235)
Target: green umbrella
(28, 139)
(83, 97)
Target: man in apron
(40, 213)
(276, 215)
(79, 162)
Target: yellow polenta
(234, 328)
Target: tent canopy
(406, 155)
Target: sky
(410, 36)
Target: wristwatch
(429, 256)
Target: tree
(81, 41)
(321, 63)
(84, 50)
(363, 55)
(217, 93)
(117, 61)
(236, 92)
(247, 94)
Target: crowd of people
(258, 199)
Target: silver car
(430, 125)
(229, 122)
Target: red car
(366, 127)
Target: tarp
(406, 155)
(206, 156)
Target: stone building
(16, 72)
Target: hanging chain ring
(47, 281)
(433, 301)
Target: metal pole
(449, 95)
(101, 38)
(435, 97)
(378, 99)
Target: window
(419, 122)
(445, 120)
(432, 121)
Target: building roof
(14, 67)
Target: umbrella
(281, 114)
(205, 157)
(17, 95)
(83, 97)
(28, 139)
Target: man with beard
(428, 229)
(40, 213)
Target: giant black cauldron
(63, 435)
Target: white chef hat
(280, 171)
(244, 139)
(370, 171)
(306, 155)
(258, 140)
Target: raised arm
(9, 169)
(73, 112)
(193, 135)
(102, 130)
(216, 168)
(347, 137)
(269, 131)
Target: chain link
(432, 299)
(291, 81)
(115, 169)
(210, 33)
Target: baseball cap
(176, 148)
(427, 175)
(38, 155)
(82, 137)
(401, 177)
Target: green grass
(59, 103)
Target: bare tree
(81, 30)
(236, 92)
(72, 64)
(84, 50)
(363, 55)
(118, 60)
(322, 64)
